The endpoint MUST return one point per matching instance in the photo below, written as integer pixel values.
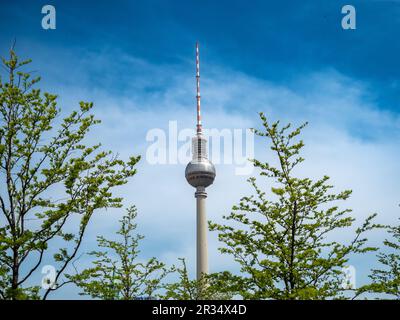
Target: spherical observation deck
(200, 173)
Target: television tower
(200, 173)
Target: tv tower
(200, 173)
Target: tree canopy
(281, 239)
(50, 178)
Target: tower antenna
(199, 128)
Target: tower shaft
(202, 247)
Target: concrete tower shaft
(202, 246)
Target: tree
(283, 242)
(208, 288)
(117, 274)
(387, 280)
(49, 180)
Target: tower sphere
(200, 173)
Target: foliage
(387, 280)
(208, 288)
(123, 277)
(283, 242)
(49, 179)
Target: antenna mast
(199, 128)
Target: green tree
(283, 242)
(387, 280)
(50, 180)
(117, 273)
(211, 287)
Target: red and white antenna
(198, 89)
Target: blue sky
(273, 40)
(290, 59)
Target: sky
(290, 59)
